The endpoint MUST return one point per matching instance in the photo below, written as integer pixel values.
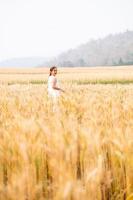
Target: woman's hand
(62, 90)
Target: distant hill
(23, 62)
(112, 50)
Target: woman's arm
(55, 87)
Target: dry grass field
(83, 151)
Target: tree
(120, 62)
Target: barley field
(83, 151)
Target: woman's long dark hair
(51, 69)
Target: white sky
(48, 27)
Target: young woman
(53, 87)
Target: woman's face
(54, 72)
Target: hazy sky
(48, 27)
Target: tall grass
(81, 151)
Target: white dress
(52, 92)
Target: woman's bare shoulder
(52, 78)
